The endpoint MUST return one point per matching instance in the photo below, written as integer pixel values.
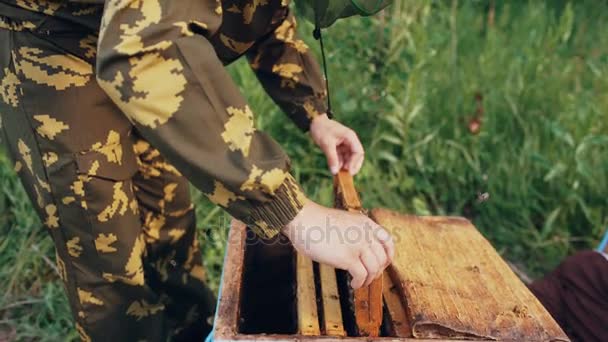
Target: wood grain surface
(457, 286)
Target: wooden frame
(228, 313)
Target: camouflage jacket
(161, 62)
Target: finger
(343, 155)
(371, 265)
(331, 153)
(381, 256)
(385, 239)
(353, 141)
(359, 274)
(356, 151)
(356, 164)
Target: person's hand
(340, 144)
(344, 240)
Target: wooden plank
(368, 300)
(456, 285)
(332, 311)
(308, 317)
(345, 193)
(396, 307)
(227, 317)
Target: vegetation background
(493, 110)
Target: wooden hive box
(446, 283)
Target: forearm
(290, 74)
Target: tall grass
(411, 82)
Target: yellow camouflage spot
(250, 8)
(81, 314)
(67, 70)
(153, 225)
(18, 166)
(176, 234)
(132, 43)
(43, 184)
(68, 199)
(94, 168)
(234, 45)
(86, 11)
(86, 297)
(134, 268)
(286, 32)
(26, 155)
(142, 308)
(268, 181)
(39, 199)
(199, 23)
(8, 88)
(63, 275)
(49, 127)
(167, 168)
(160, 79)
(16, 26)
(169, 191)
(120, 204)
(181, 212)
(83, 334)
(74, 247)
(184, 29)
(140, 147)
(78, 185)
(222, 196)
(44, 6)
(198, 272)
(218, 8)
(52, 221)
(169, 195)
(311, 111)
(103, 242)
(288, 71)
(238, 130)
(263, 229)
(134, 206)
(192, 250)
(50, 158)
(89, 45)
(112, 149)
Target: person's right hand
(344, 240)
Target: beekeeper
(108, 110)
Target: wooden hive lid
(457, 286)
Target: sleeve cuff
(303, 114)
(268, 219)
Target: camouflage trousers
(120, 216)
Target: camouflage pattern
(108, 111)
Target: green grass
(408, 82)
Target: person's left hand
(340, 144)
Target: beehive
(446, 283)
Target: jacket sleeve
(290, 74)
(156, 63)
